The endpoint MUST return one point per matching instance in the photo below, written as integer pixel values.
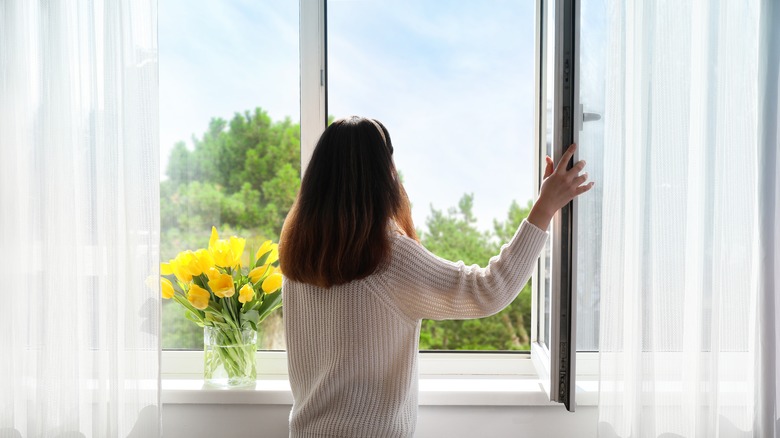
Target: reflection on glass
(229, 134)
(453, 82)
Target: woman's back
(352, 348)
(350, 357)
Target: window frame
(177, 364)
(556, 358)
(188, 364)
(313, 43)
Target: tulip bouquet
(227, 300)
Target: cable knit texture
(352, 349)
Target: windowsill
(446, 379)
(434, 391)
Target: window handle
(590, 117)
(587, 117)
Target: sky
(451, 79)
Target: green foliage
(455, 236)
(241, 175)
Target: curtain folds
(689, 269)
(79, 215)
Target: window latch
(588, 117)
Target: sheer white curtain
(689, 201)
(79, 219)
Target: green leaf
(215, 306)
(202, 281)
(270, 303)
(251, 315)
(193, 318)
(262, 259)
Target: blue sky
(452, 81)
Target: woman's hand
(560, 186)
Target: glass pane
(453, 82)
(229, 133)
(548, 76)
(591, 142)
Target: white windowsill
(446, 379)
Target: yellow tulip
(264, 248)
(226, 253)
(212, 273)
(272, 283)
(220, 251)
(167, 288)
(198, 297)
(274, 256)
(246, 294)
(222, 286)
(236, 249)
(256, 274)
(204, 260)
(166, 268)
(186, 266)
(179, 267)
(214, 237)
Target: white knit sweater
(352, 349)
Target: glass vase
(229, 357)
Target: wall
(253, 420)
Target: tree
(455, 236)
(243, 174)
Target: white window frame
(177, 364)
(314, 94)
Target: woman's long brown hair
(337, 230)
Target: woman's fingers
(548, 169)
(565, 158)
(582, 189)
(580, 179)
(561, 184)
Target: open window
(554, 351)
(570, 94)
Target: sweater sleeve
(425, 286)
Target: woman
(358, 283)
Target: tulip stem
(229, 349)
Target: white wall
(253, 420)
